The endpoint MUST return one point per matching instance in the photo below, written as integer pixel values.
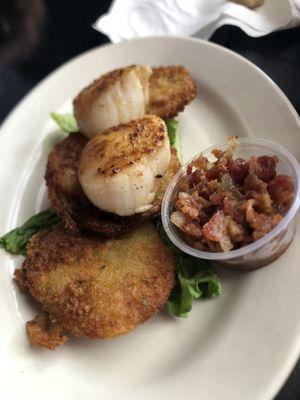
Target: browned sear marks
(69, 201)
(125, 144)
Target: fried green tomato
(69, 201)
(170, 90)
(44, 332)
(92, 288)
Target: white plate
(240, 346)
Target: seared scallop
(69, 201)
(118, 168)
(128, 93)
(116, 97)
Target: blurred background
(37, 36)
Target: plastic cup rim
(243, 251)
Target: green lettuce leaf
(195, 279)
(173, 132)
(66, 122)
(16, 240)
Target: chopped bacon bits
(217, 198)
(234, 209)
(218, 153)
(194, 178)
(259, 222)
(238, 169)
(263, 167)
(216, 230)
(281, 190)
(215, 172)
(192, 229)
(178, 219)
(229, 203)
(253, 183)
(198, 164)
(236, 232)
(188, 205)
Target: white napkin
(127, 19)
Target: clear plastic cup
(270, 246)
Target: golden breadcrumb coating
(94, 288)
(171, 89)
(45, 333)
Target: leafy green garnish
(66, 122)
(16, 240)
(173, 132)
(194, 279)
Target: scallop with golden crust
(69, 201)
(117, 97)
(118, 168)
(125, 94)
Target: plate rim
(292, 357)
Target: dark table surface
(36, 36)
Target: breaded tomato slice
(93, 288)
